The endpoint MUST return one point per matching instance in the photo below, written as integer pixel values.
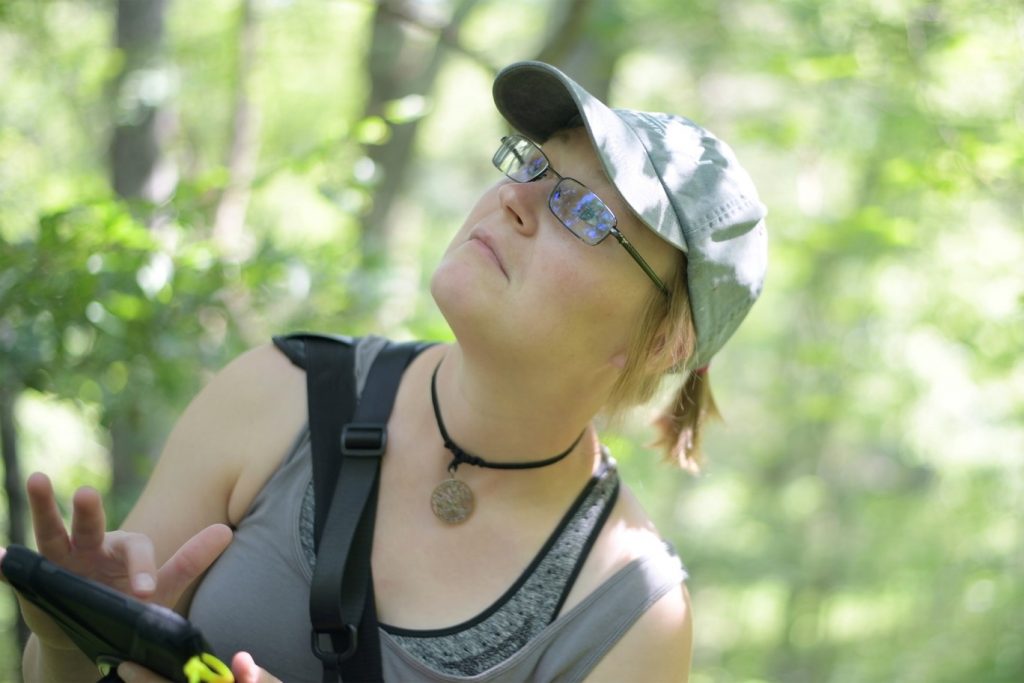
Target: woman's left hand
(243, 668)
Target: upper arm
(222, 449)
(658, 647)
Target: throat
(452, 501)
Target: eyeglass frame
(613, 230)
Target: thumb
(245, 670)
(189, 562)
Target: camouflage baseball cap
(680, 180)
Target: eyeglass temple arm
(628, 246)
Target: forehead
(572, 154)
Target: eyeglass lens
(579, 209)
(520, 159)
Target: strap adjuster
(329, 657)
(364, 440)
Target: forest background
(180, 179)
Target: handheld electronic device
(111, 627)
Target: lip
(487, 242)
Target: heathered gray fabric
(256, 598)
(523, 612)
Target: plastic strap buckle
(329, 656)
(364, 440)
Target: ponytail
(680, 425)
(665, 337)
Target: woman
(555, 573)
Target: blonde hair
(663, 341)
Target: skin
(542, 323)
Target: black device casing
(107, 625)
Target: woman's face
(517, 280)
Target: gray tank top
(256, 597)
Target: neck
(514, 415)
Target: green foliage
(96, 300)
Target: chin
(456, 291)
(469, 308)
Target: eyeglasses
(581, 211)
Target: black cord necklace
(452, 500)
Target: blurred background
(179, 180)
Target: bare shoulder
(658, 647)
(659, 643)
(251, 412)
(223, 448)
(628, 534)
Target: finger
(245, 670)
(51, 535)
(190, 561)
(137, 554)
(88, 520)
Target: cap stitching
(719, 214)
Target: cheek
(592, 303)
(592, 275)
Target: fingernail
(127, 672)
(143, 583)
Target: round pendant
(452, 501)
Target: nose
(526, 203)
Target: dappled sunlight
(62, 439)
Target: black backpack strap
(341, 596)
(293, 345)
(331, 400)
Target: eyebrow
(596, 171)
(560, 134)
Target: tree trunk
(139, 170)
(582, 40)
(229, 221)
(142, 121)
(129, 449)
(17, 508)
(405, 56)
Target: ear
(667, 353)
(657, 359)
